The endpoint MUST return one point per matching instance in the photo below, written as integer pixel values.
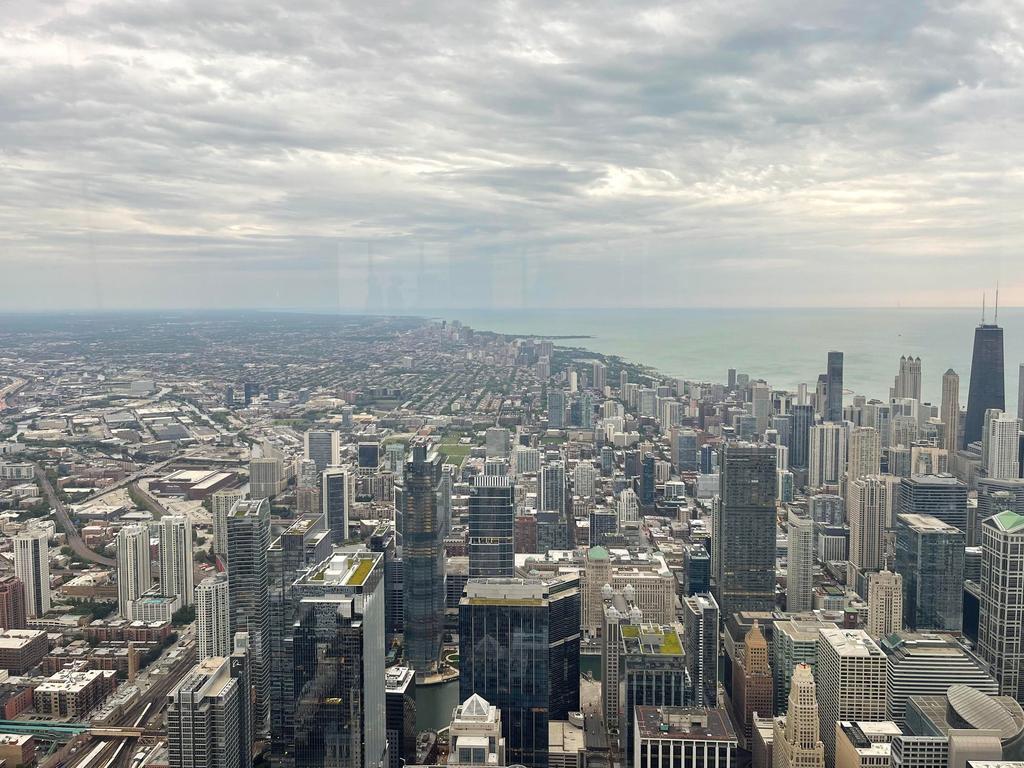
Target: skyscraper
(422, 559)
(1003, 442)
(796, 742)
(519, 641)
(851, 681)
(221, 503)
(941, 496)
(265, 476)
(799, 447)
(834, 387)
(751, 684)
(400, 703)
(930, 558)
(1002, 600)
(249, 594)
(800, 563)
(827, 454)
(885, 604)
(322, 447)
(134, 576)
(32, 566)
(491, 527)
(177, 573)
(950, 412)
(744, 529)
(552, 487)
(987, 388)
(869, 503)
(556, 408)
(338, 664)
(700, 634)
(336, 495)
(865, 454)
(908, 380)
(206, 718)
(213, 617)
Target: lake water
(782, 346)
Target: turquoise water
(782, 346)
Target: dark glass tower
(744, 529)
(930, 558)
(422, 559)
(803, 420)
(519, 640)
(491, 527)
(987, 380)
(834, 387)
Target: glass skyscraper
(930, 558)
(337, 653)
(422, 559)
(519, 644)
(834, 387)
(491, 527)
(987, 389)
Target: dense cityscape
(366, 542)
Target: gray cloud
(536, 153)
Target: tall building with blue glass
(930, 558)
(519, 644)
(422, 559)
(491, 527)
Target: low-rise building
(22, 649)
(74, 692)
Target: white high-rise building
(207, 715)
(629, 506)
(869, 504)
(851, 680)
(797, 742)
(134, 570)
(525, 460)
(265, 477)
(1003, 446)
(800, 563)
(584, 478)
(221, 503)
(885, 604)
(827, 454)
(865, 453)
(176, 568)
(32, 566)
(213, 617)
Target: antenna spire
(996, 321)
(982, 307)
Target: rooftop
(684, 723)
(651, 638)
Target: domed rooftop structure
(982, 711)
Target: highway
(61, 513)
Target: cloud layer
(515, 153)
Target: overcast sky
(220, 153)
